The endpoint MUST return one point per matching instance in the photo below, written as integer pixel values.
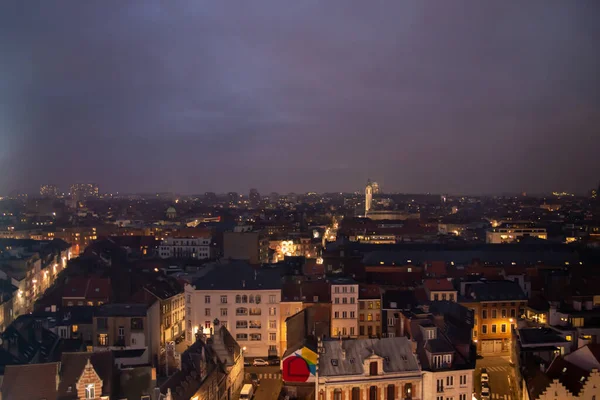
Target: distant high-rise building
(233, 198)
(48, 190)
(368, 197)
(80, 191)
(254, 198)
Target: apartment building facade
(497, 306)
(344, 308)
(131, 330)
(242, 299)
(176, 247)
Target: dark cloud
(190, 96)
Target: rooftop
(434, 285)
(239, 275)
(121, 310)
(540, 336)
(495, 291)
(397, 354)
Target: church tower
(368, 197)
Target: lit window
(90, 391)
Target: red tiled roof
(88, 288)
(31, 381)
(437, 268)
(438, 285)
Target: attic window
(69, 389)
(387, 359)
(97, 290)
(404, 358)
(334, 362)
(393, 304)
(564, 370)
(582, 379)
(352, 361)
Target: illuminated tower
(375, 187)
(368, 197)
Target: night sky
(193, 96)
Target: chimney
(243, 283)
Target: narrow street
(501, 374)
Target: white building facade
(344, 308)
(244, 300)
(197, 248)
(452, 384)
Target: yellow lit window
(369, 317)
(74, 328)
(569, 338)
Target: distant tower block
(368, 197)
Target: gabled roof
(30, 381)
(570, 375)
(72, 366)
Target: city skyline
(467, 97)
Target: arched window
(238, 299)
(258, 299)
(355, 393)
(391, 392)
(252, 298)
(244, 298)
(337, 394)
(373, 393)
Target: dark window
(137, 324)
(337, 394)
(373, 393)
(391, 392)
(355, 393)
(373, 368)
(513, 313)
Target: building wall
(327, 390)
(369, 309)
(172, 318)
(250, 246)
(347, 327)
(288, 309)
(132, 339)
(436, 295)
(201, 316)
(485, 340)
(498, 235)
(196, 248)
(454, 390)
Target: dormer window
(90, 392)
(393, 304)
(373, 368)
